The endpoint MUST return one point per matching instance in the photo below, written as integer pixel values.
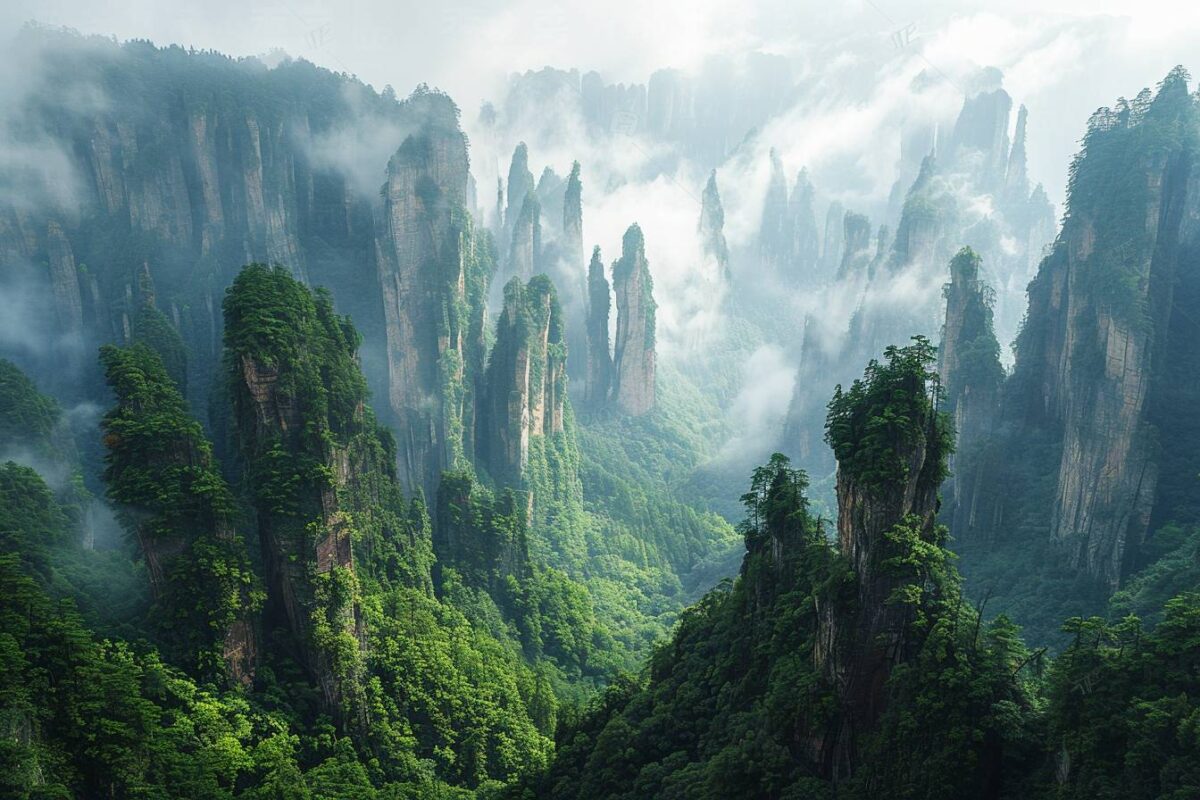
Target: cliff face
(572, 220)
(68, 301)
(980, 139)
(524, 255)
(970, 371)
(633, 354)
(599, 357)
(922, 222)
(186, 169)
(571, 276)
(298, 407)
(1016, 179)
(433, 270)
(525, 385)
(887, 493)
(1104, 361)
(712, 228)
(1102, 317)
(520, 183)
(806, 239)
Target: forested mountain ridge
(861, 671)
(208, 163)
(355, 532)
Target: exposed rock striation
(634, 359)
(599, 377)
(524, 255)
(891, 446)
(434, 269)
(525, 386)
(971, 374)
(1104, 378)
(298, 407)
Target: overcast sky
(1063, 59)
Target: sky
(1062, 58)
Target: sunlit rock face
(525, 385)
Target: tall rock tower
(599, 378)
(634, 354)
(434, 271)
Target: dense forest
(323, 479)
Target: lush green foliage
(162, 475)
(442, 688)
(734, 704)
(1124, 716)
(152, 328)
(28, 419)
(881, 415)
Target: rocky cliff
(183, 167)
(971, 374)
(599, 377)
(524, 255)
(711, 229)
(571, 275)
(891, 446)
(572, 220)
(434, 268)
(1098, 359)
(520, 184)
(634, 357)
(525, 386)
(979, 142)
(298, 407)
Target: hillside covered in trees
(327, 472)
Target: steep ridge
(797, 678)
(970, 370)
(321, 472)
(434, 270)
(162, 474)
(634, 357)
(1102, 376)
(525, 387)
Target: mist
(832, 91)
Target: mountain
(369, 495)
(1090, 427)
(970, 189)
(858, 669)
